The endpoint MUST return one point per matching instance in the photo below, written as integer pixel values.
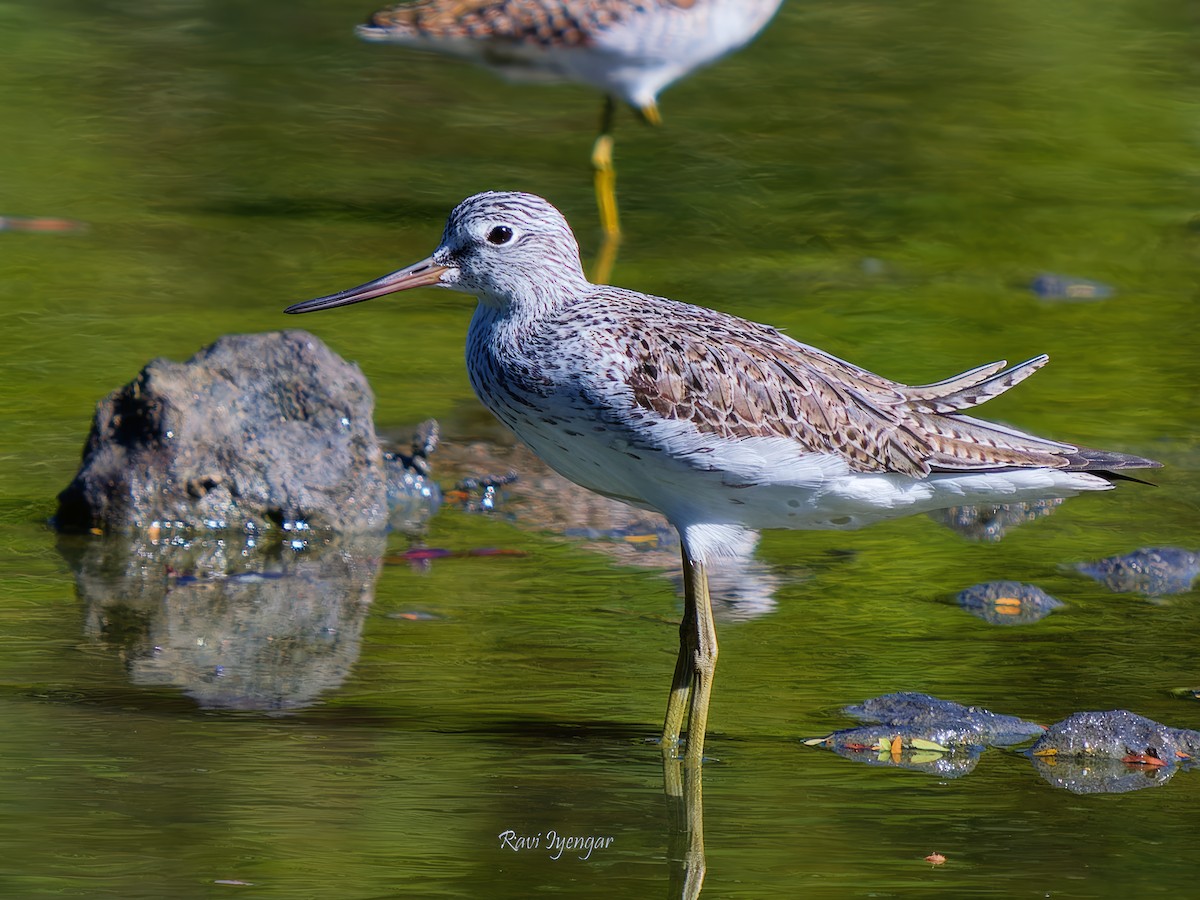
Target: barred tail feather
(954, 383)
(972, 388)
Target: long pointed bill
(426, 273)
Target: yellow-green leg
(695, 666)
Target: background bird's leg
(606, 176)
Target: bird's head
(513, 251)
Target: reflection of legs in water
(685, 841)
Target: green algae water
(918, 189)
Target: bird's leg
(606, 175)
(691, 686)
(681, 682)
(704, 657)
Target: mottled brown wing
(522, 21)
(737, 379)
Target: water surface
(882, 181)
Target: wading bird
(720, 424)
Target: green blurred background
(883, 181)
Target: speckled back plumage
(635, 359)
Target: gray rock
(1119, 735)
(255, 432)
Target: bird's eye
(501, 234)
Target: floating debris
(1049, 286)
(412, 494)
(642, 534)
(423, 554)
(480, 495)
(935, 859)
(41, 224)
(873, 266)
(417, 554)
(1008, 602)
(900, 746)
(415, 616)
(1150, 571)
(944, 721)
(917, 731)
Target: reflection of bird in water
(535, 496)
(629, 49)
(721, 424)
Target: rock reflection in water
(1099, 776)
(231, 624)
(1151, 571)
